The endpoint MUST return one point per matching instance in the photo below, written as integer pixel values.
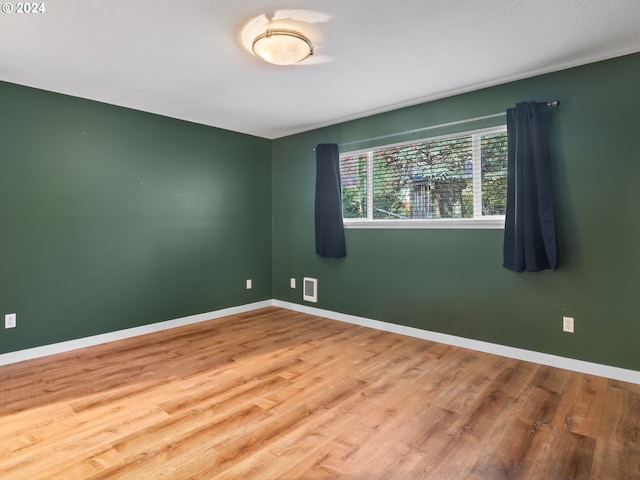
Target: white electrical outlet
(567, 324)
(249, 284)
(292, 282)
(10, 320)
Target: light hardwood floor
(278, 394)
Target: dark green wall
(114, 218)
(452, 281)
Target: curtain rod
(553, 103)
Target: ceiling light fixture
(282, 47)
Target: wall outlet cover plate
(10, 320)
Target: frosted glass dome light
(282, 47)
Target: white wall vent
(310, 289)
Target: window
(450, 181)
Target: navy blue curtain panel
(329, 227)
(530, 233)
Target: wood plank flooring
(278, 394)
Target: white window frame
(478, 220)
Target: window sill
(486, 223)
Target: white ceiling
(187, 59)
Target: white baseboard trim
(616, 373)
(37, 352)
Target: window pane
(353, 178)
(391, 173)
(494, 173)
(459, 177)
(424, 180)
